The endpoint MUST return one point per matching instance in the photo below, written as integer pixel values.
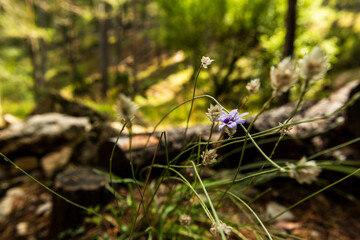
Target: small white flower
(215, 230)
(303, 171)
(185, 219)
(126, 108)
(314, 65)
(253, 86)
(284, 76)
(209, 157)
(214, 113)
(206, 61)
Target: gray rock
(273, 209)
(44, 133)
(7, 203)
(44, 208)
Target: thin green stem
(313, 194)
(210, 203)
(132, 160)
(196, 182)
(266, 105)
(110, 164)
(261, 151)
(192, 104)
(184, 180)
(276, 145)
(144, 188)
(305, 87)
(334, 148)
(252, 211)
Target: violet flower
(232, 119)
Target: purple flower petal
(240, 121)
(243, 114)
(221, 126)
(232, 125)
(233, 113)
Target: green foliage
(71, 233)
(244, 37)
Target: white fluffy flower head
(284, 76)
(214, 113)
(185, 219)
(253, 86)
(314, 65)
(304, 171)
(206, 61)
(209, 157)
(215, 230)
(126, 108)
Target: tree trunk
(38, 77)
(134, 48)
(38, 74)
(289, 41)
(42, 46)
(290, 29)
(71, 49)
(104, 46)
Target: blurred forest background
(92, 50)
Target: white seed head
(214, 113)
(284, 76)
(206, 61)
(185, 219)
(215, 230)
(304, 171)
(209, 157)
(230, 131)
(253, 86)
(285, 130)
(126, 108)
(314, 65)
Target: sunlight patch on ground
(179, 56)
(166, 90)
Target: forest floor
(327, 216)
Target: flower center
(227, 120)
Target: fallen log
(142, 154)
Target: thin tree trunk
(290, 29)
(118, 29)
(103, 47)
(134, 48)
(38, 74)
(2, 122)
(42, 46)
(289, 41)
(71, 49)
